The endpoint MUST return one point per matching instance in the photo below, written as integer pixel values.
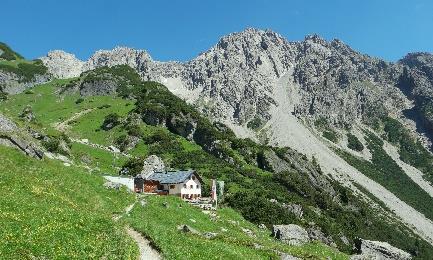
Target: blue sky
(181, 29)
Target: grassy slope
(50, 109)
(65, 212)
(49, 210)
(9, 54)
(159, 223)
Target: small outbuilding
(185, 184)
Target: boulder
(112, 185)
(377, 250)
(262, 226)
(6, 125)
(28, 114)
(288, 257)
(315, 233)
(152, 164)
(249, 232)
(209, 235)
(295, 209)
(188, 229)
(290, 234)
(11, 135)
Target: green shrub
(161, 143)
(26, 71)
(354, 143)
(8, 53)
(52, 145)
(127, 78)
(122, 142)
(3, 95)
(321, 123)
(132, 167)
(330, 135)
(254, 123)
(79, 101)
(104, 106)
(411, 150)
(134, 130)
(110, 121)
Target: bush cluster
(411, 150)
(354, 143)
(331, 135)
(8, 53)
(26, 71)
(254, 123)
(111, 120)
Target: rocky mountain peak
(315, 38)
(62, 64)
(118, 56)
(419, 60)
(251, 38)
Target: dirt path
(146, 250)
(63, 126)
(98, 146)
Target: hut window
(192, 186)
(197, 187)
(193, 177)
(172, 186)
(184, 185)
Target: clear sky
(181, 29)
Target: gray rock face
(315, 233)
(12, 84)
(380, 251)
(295, 209)
(417, 83)
(138, 59)
(62, 64)
(290, 234)
(291, 161)
(235, 81)
(152, 164)
(103, 87)
(6, 125)
(10, 135)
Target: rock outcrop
(290, 234)
(235, 81)
(292, 161)
(11, 135)
(377, 250)
(152, 164)
(62, 64)
(13, 84)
